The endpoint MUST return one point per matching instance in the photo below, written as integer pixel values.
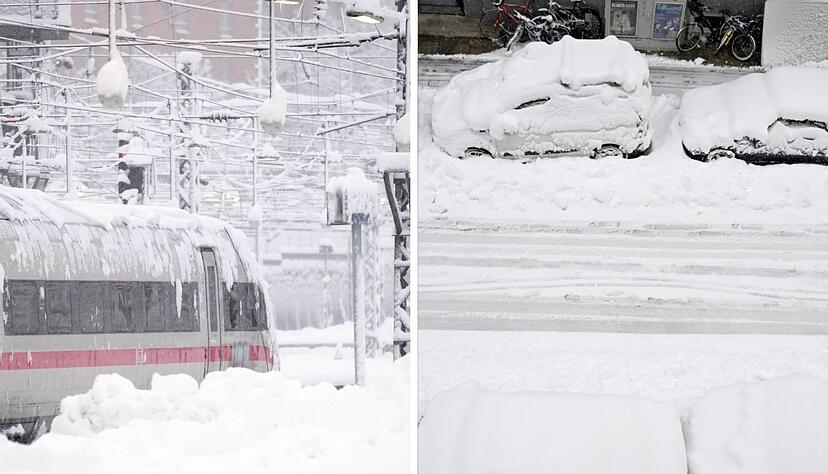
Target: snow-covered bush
(718, 115)
(771, 427)
(793, 32)
(466, 430)
(112, 83)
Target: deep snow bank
(466, 430)
(793, 32)
(236, 420)
(771, 427)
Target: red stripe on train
(119, 357)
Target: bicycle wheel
(497, 26)
(594, 29)
(743, 47)
(689, 37)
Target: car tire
(474, 152)
(608, 151)
(719, 153)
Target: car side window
(127, 306)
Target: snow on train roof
(82, 240)
(717, 115)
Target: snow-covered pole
(112, 28)
(256, 189)
(272, 51)
(358, 221)
(70, 193)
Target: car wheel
(608, 151)
(475, 153)
(719, 153)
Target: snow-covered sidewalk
(236, 421)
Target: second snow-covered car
(573, 97)
(779, 116)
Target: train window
(23, 308)
(59, 307)
(185, 318)
(261, 310)
(248, 305)
(232, 307)
(92, 305)
(212, 297)
(127, 306)
(157, 302)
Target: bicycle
(500, 23)
(692, 34)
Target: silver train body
(95, 289)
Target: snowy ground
(237, 421)
(664, 367)
(564, 265)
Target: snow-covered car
(573, 97)
(779, 116)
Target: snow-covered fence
(794, 32)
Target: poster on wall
(667, 20)
(622, 17)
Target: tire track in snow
(606, 278)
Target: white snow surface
(237, 420)
(360, 193)
(716, 116)
(112, 84)
(787, 37)
(467, 430)
(586, 81)
(664, 186)
(402, 132)
(273, 111)
(770, 427)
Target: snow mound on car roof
(717, 115)
(474, 98)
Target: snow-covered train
(89, 289)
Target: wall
(795, 32)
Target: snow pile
(402, 132)
(237, 420)
(371, 11)
(716, 116)
(393, 161)
(357, 192)
(789, 35)
(273, 110)
(590, 86)
(771, 427)
(113, 82)
(472, 431)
